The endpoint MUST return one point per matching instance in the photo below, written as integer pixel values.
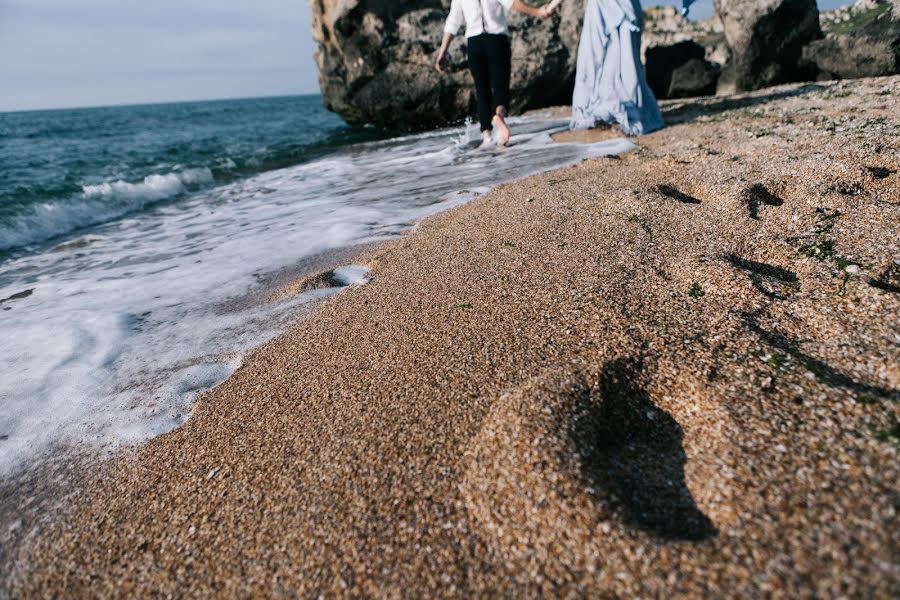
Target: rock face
(376, 57)
(680, 70)
(664, 26)
(376, 61)
(766, 38)
(683, 58)
(863, 40)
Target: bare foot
(502, 130)
(486, 141)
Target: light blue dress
(610, 83)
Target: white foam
(609, 147)
(153, 188)
(99, 203)
(352, 275)
(129, 323)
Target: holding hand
(542, 12)
(551, 7)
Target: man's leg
(480, 67)
(501, 65)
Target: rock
(376, 61)
(664, 26)
(863, 40)
(18, 296)
(375, 58)
(683, 57)
(851, 15)
(680, 70)
(766, 38)
(696, 77)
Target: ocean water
(138, 245)
(67, 169)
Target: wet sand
(673, 372)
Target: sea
(138, 245)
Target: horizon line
(155, 103)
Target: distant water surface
(67, 169)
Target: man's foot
(486, 140)
(502, 130)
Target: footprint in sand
(888, 279)
(774, 282)
(670, 191)
(756, 195)
(880, 172)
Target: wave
(36, 207)
(97, 204)
(153, 188)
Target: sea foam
(153, 188)
(97, 204)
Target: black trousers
(489, 61)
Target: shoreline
(34, 496)
(101, 362)
(455, 425)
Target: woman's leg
(501, 64)
(479, 64)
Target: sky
(67, 53)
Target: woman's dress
(610, 83)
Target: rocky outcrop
(862, 40)
(766, 39)
(664, 26)
(683, 58)
(376, 57)
(681, 70)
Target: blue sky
(59, 53)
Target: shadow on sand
(633, 449)
(822, 371)
(689, 110)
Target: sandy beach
(674, 372)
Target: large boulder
(683, 58)
(665, 26)
(376, 61)
(680, 70)
(862, 40)
(766, 38)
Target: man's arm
(441, 60)
(455, 20)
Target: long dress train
(610, 83)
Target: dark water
(63, 170)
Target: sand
(670, 373)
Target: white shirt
(480, 16)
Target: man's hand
(440, 63)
